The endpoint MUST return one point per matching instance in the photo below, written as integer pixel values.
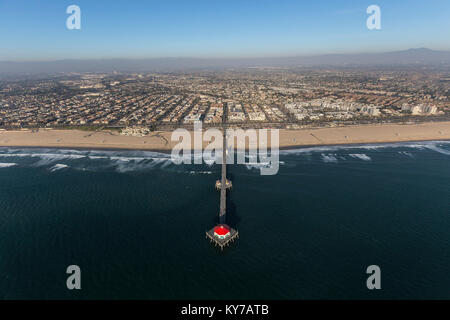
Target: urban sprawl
(254, 97)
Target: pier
(222, 235)
(223, 188)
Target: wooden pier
(234, 234)
(222, 235)
(223, 188)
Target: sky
(35, 30)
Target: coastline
(160, 141)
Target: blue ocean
(134, 222)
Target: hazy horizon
(418, 56)
(212, 58)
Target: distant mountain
(411, 56)
(420, 56)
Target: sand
(161, 140)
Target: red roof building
(222, 231)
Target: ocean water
(135, 224)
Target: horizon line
(225, 57)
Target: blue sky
(36, 29)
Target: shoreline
(284, 148)
(160, 141)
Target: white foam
(58, 166)
(360, 156)
(128, 165)
(437, 149)
(7, 165)
(408, 154)
(257, 165)
(329, 157)
(128, 159)
(412, 145)
(19, 155)
(200, 172)
(125, 161)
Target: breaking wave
(329, 157)
(200, 172)
(360, 156)
(438, 149)
(407, 154)
(431, 145)
(57, 159)
(7, 165)
(257, 165)
(129, 161)
(58, 166)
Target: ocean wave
(432, 145)
(98, 160)
(130, 160)
(58, 166)
(438, 149)
(329, 157)
(200, 172)
(125, 165)
(360, 156)
(46, 157)
(20, 155)
(405, 153)
(7, 165)
(257, 165)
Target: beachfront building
(420, 109)
(370, 110)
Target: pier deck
(223, 182)
(234, 234)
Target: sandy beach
(161, 140)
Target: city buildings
(254, 97)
